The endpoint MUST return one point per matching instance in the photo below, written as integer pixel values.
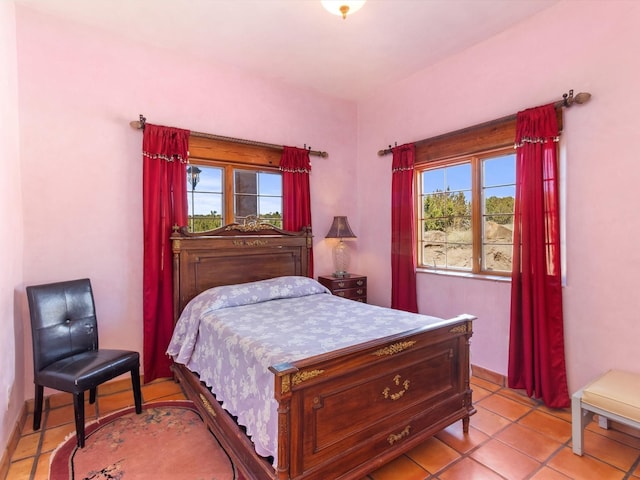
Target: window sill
(475, 276)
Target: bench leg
(579, 419)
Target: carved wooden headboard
(232, 254)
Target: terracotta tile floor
(511, 437)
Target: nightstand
(353, 287)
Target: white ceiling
(298, 42)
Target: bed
(339, 413)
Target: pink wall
(79, 89)
(12, 371)
(80, 160)
(592, 48)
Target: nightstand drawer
(351, 292)
(353, 287)
(350, 282)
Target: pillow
(185, 332)
(260, 291)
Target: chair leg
(37, 406)
(137, 394)
(78, 407)
(92, 395)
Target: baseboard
(14, 438)
(488, 375)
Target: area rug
(167, 440)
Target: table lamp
(340, 229)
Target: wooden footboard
(345, 413)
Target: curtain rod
(139, 125)
(567, 100)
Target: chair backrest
(63, 320)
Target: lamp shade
(340, 229)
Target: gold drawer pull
(340, 294)
(396, 437)
(386, 393)
(341, 284)
(360, 282)
(360, 291)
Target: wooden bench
(613, 396)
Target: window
(466, 219)
(227, 183)
(466, 195)
(250, 193)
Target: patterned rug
(167, 440)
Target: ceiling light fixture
(342, 7)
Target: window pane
(269, 205)
(205, 197)
(434, 255)
(454, 178)
(499, 170)
(460, 243)
(270, 210)
(270, 184)
(447, 239)
(458, 177)
(258, 194)
(498, 258)
(246, 205)
(498, 192)
(246, 182)
(433, 181)
(204, 179)
(205, 203)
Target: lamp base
(340, 260)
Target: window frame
(477, 221)
(491, 136)
(231, 156)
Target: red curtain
(403, 233)
(296, 197)
(165, 152)
(536, 343)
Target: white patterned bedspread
(231, 335)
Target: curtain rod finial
(139, 124)
(582, 97)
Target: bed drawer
(381, 404)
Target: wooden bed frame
(342, 414)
